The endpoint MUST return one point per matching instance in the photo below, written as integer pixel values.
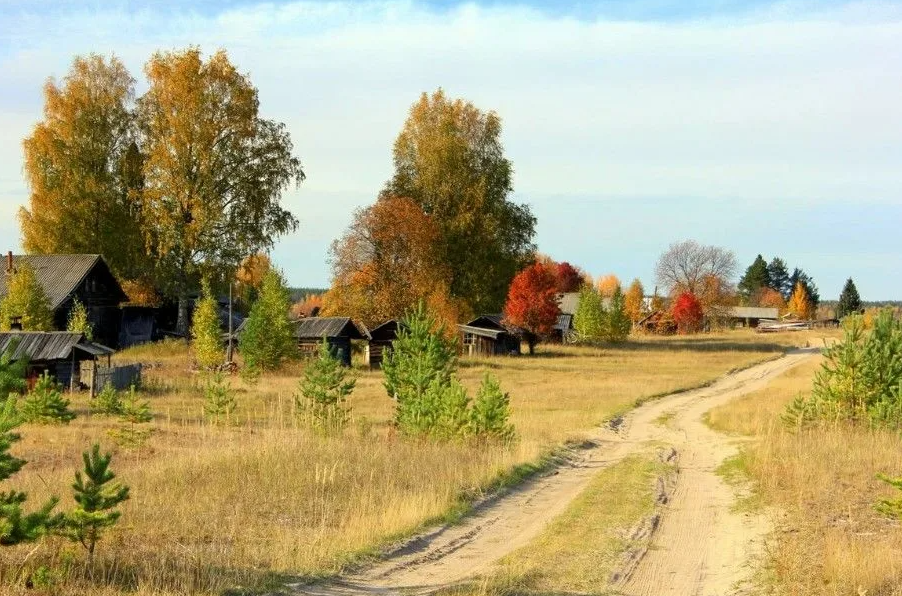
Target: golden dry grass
(822, 484)
(220, 506)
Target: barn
(381, 339)
(487, 335)
(66, 277)
(338, 331)
(58, 352)
(749, 316)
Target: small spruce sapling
(17, 526)
(324, 391)
(490, 415)
(107, 403)
(219, 396)
(96, 496)
(45, 403)
(12, 372)
(133, 410)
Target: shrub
(45, 403)
(208, 350)
(687, 313)
(324, 391)
(96, 496)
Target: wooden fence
(120, 377)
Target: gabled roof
(386, 331)
(60, 275)
(752, 312)
(489, 326)
(319, 327)
(50, 345)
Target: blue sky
(759, 126)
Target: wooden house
(380, 343)
(338, 331)
(58, 352)
(489, 336)
(67, 277)
(749, 316)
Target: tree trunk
(531, 342)
(182, 324)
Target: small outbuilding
(487, 335)
(749, 316)
(380, 343)
(59, 353)
(338, 331)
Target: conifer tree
(26, 301)
(208, 350)
(849, 300)
(268, 337)
(16, 526)
(12, 372)
(617, 322)
(324, 391)
(490, 414)
(133, 410)
(779, 277)
(800, 277)
(78, 320)
(756, 277)
(96, 496)
(220, 397)
(45, 403)
(108, 402)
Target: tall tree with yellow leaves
(84, 169)
(214, 170)
(388, 261)
(449, 160)
(799, 303)
(607, 285)
(634, 301)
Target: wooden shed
(338, 331)
(487, 335)
(67, 277)
(749, 316)
(381, 339)
(58, 352)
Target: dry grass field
(246, 503)
(822, 484)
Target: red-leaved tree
(532, 302)
(569, 279)
(687, 313)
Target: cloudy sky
(771, 128)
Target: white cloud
(789, 103)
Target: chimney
(9, 262)
(15, 324)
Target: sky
(762, 127)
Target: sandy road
(700, 548)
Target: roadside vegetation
(242, 499)
(832, 536)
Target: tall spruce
(268, 337)
(755, 278)
(800, 277)
(849, 300)
(779, 277)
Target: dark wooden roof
(319, 327)
(53, 345)
(387, 331)
(60, 275)
(489, 326)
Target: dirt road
(700, 547)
